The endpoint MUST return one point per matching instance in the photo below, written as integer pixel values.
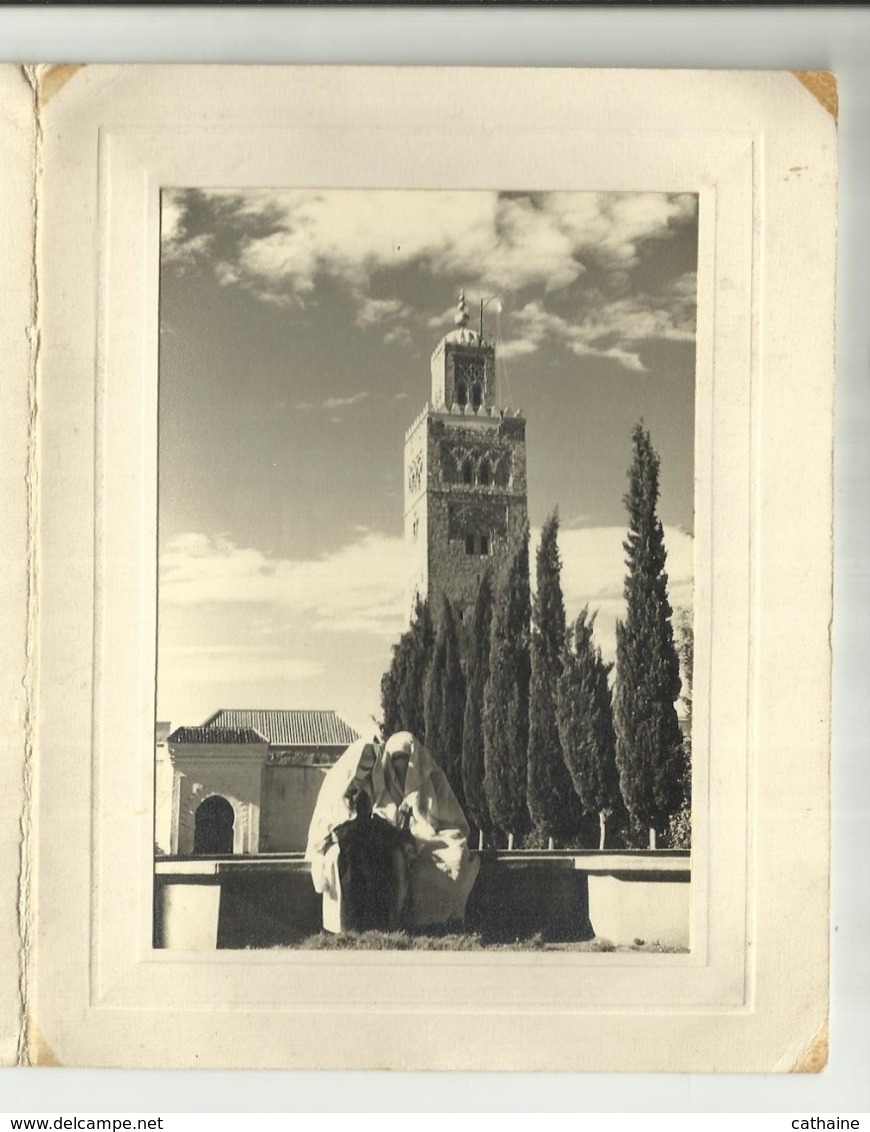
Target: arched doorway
(213, 826)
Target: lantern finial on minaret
(461, 318)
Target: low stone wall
(639, 898)
(234, 903)
(519, 895)
(269, 901)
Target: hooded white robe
(440, 870)
(333, 808)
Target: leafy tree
(585, 720)
(649, 743)
(506, 701)
(402, 685)
(551, 798)
(477, 674)
(444, 707)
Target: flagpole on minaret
(484, 303)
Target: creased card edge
(25, 876)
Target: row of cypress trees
(529, 734)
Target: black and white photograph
(428, 581)
(425, 597)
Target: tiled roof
(288, 728)
(239, 735)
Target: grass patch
(461, 941)
(391, 941)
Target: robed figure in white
(358, 860)
(432, 870)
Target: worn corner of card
(814, 1058)
(822, 85)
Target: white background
(808, 39)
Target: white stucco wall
(234, 772)
(163, 776)
(289, 797)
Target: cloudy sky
(296, 329)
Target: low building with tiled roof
(231, 735)
(295, 737)
(245, 780)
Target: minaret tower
(465, 473)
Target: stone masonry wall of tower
(465, 474)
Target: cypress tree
(506, 701)
(445, 700)
(551, 798)
(649, 743)
(585, 721)
(403, 684)
(390, 683)
(477, 675)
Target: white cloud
(639, 318)
(332, 403)
(497, 243)
(612, 226)
(232, 664)
(625, 358)
(379, 312)
(518, 348)
(319, 632)
(177, 245)
(593, 574)
(615, 330)
(359, 588)
(398, 336)
(537, 325)
(444, 320)
(171, 213)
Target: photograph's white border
(113, 137)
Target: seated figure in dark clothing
(359, 860)
(388, 841)
(372, 868)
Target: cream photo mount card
(754, 155)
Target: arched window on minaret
(484, 476)
(502, 473)
(467, 470)
(475, 396)
(461, 395)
